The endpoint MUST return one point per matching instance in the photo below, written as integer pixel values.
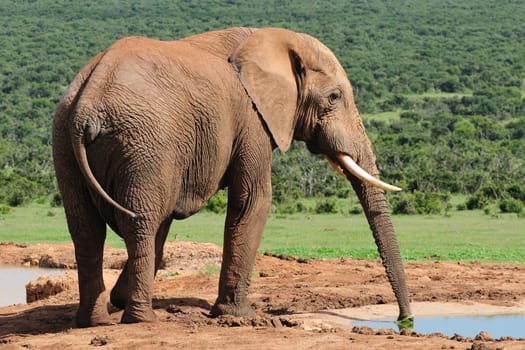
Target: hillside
(451, 75)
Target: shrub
(461, 206)
(325, 206)
(356, 209)
(4, 210)
(511, 205)
(17, 198)
(421, 203)
(516, 191)
(404, 204)
(218, 203)
(287, 209)
(490, 194)
(300, 207)
(477, 201)
(343, 192)
(56, 200)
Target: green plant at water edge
(407, 323)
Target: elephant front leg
(247, 212)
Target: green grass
(439, 94)
(383, 116)
(394, 115)
(464, 236)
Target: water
(468, 326)
(13, 280)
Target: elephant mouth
(345, 165)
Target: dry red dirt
(298, 303)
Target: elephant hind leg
(143, 238)
(119, 293)
(88, 232)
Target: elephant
(148, 131)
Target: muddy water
(13, 280)
(467, 326)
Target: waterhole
(467, 326)
(13, 280)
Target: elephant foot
(94, 319)
(118, 298)
(243, 310)
(139, 314)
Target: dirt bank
(299, 303)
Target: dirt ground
(300, 304)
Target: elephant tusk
(336, 166)
(348, 163)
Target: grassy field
(383, 116)
(466, 236)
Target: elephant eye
(334, 97)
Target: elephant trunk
(376, 209)
(369, 189)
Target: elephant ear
(271, 71)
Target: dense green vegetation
(464, 236)
(440, 84)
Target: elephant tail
(79, 148)
(84, 128)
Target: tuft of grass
(210, 270)
(170, 274)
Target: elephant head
(302, 92)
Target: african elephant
(149, 130)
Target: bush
(343, 192)
(421, 203)
(56, 200)
(461, 206)
(327, 205)
(516, 191)
(490, 194)
(218, 203)
(15, 189)
(511, 205)
(356, 209)
(300, 207)
(17, 198)
(404, 204)
(4, 210)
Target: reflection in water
(468, 326)
(13, 280)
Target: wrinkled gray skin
(148, 131)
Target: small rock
(425, 279)
(99, 341)
(481, 346)
(483, 336)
